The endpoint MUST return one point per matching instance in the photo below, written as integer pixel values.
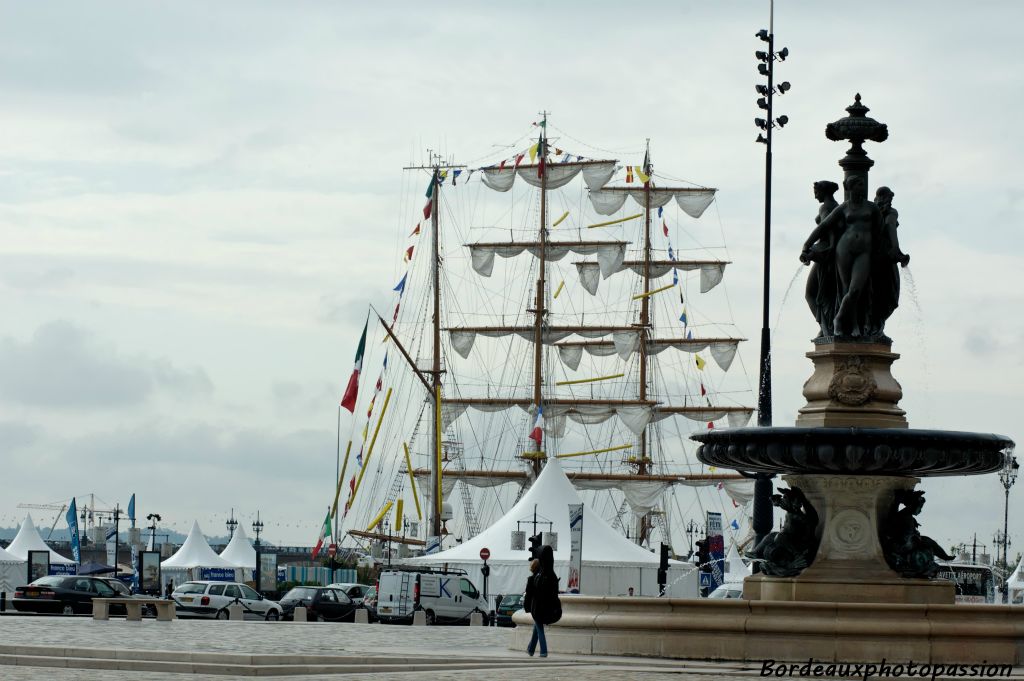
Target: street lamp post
(692, 529)
(1007, 476)
(762, 516)
(153, 519)
(232, 525)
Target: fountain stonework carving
(850, 577)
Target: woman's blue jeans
(538, 635)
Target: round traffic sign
(485, 553)
(332, 550)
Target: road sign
(332, 550)
(485, 553)
(705, 580)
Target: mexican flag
(325, 532)
(352, 390)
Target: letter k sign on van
(444, 588)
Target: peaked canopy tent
(239, 552)
(29, 539)
(611, 563)
(1015, 582)
(13, 572)
(195, 553)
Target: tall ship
(557, 303)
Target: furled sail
(595, 174)
(464, 337)
(610, 254)
(693, 201)
(625, 343)
(711, 271)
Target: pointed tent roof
(737, 568)
(195, 552)
(550, 493)
(28, 539)
(8, 557)
(239, 551)
(1016, 579)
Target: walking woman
(541, 599)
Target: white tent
(28, 539)
(1015, 583)
(195, 553)
(239, 552)
(13, 572)
(611, 563)
(736, 569)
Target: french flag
(537, 434)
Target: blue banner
(716, 549)
(72, 518)
(217, 574)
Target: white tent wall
(509, 577)
(12, 575)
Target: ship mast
(435, 365)
(538, 323)
(645, 322)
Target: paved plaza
(80, 648)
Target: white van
(445, 596)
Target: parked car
(211, 600)
(728, 590)
(322, 603)
(67, 595)
(508, 606)
(370, 604)
(357, 592)
(444, 596)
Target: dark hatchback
(68, 595)
(323, 604)
(508, 606)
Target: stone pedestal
(849, 566)
(852, 386)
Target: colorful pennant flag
(416, 231)
(427, 209)
(533, 152)
(352, 390)
(629, 174)
(519, 159)
(682, 317)
(703, 391)
(401, 285)
(659, 213)
(700, 362)
(734, 525)
(408, 253)
(664, 225)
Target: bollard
(476, 619)
(235, 612)
(3, 601)
(362, 617)
(300, 613)
(419, 618)
(100, 609)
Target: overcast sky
(198, 199)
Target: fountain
(849, 577)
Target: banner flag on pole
(72, 518)
(352, 390)
(325, 532)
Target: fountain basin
(854, 451)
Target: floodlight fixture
(762, 68)
(762, 34)
(782, 120)
(782, 54)
(784, 87)
(762, 103)
(761, 56)
(761, 123)
(761, 90)
(760, 139)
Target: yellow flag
(533, 151)
(364, 431)
(700, 362)
(640, 174)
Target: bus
(974, 583)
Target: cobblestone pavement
(447, 644)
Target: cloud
(15, 435)
(64, 366)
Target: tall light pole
(153, 518)
(1007, 476)
(232, 525)
(762, 517)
